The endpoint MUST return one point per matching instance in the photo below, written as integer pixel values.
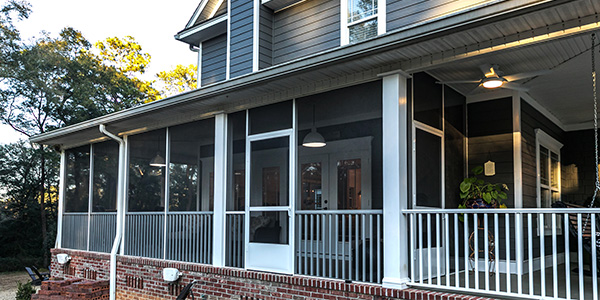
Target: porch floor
(561, 287)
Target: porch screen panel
(236, 189)
(144, 225)
(103, 218)
(427, 100)
(428, 169)
(340, 195)
(191, 192)
(106, 161)
(271, 117)
(75, 217)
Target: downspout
(120, 211)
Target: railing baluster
(507, 229)
(344, 247)
(466, 241)
(554, 257)
(412, 247)
(476, 249)
(567, 257)
(580, 254)
(305, 217)
(331, 273)
(323, 271)
(542, 255)
(356, 245)
(429, 275)
(496, 251)
(370, 263)
(318, 245)
(518, 252)
(420, 232)
(456, 253)
(447, 247)
(437, 248)
(530, 250)
(592, 225)
(336, 241)
(312, 245)
(486, 254)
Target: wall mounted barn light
(158, 161)
(314, 139)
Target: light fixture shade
(158, 161)
(313, 140)
(492, 82)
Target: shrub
(24, 291)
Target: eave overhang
(203, 31)
(411, 50)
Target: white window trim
(379, 16)
(548, 142)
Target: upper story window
(362, 20)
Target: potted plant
(476, 193)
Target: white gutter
(120, 211)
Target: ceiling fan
(494, 78)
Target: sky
(152, 23)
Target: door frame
(255, 251)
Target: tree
(53, 82)
(179, 80)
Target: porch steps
(72, 289)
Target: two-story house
(322, 156)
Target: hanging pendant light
(158, 161)
(314, 139)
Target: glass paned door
(270, 164)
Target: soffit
(415, 49)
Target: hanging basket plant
(476, 193)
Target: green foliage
(179, 80)
(24, 291)
(472, 188)
(21, 241)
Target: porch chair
(35, 279)
(187, 291)
(586, 230)
(44, 275)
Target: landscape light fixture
(314, 139)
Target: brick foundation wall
(141, 278)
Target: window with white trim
(548, 173)
(362, 20)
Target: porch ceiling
(566, 92)
(453, 52)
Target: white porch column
(220, 190)
(395, 180)
(61, 198)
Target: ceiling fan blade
(520, 76)
(485, 68)
(514, 86)
(459, 81)
(479, 89)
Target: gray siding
(401, 13)
(490, 135)
(305, 29)
(265, 53)
(530, 120)
(214, 59)
(241, 37)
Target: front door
(270, 165)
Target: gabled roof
(207, 9)
(207, 22)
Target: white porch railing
(234, 239)
(526, 253)
(75, 231)
(103, 226)
(342, 244)
(187, 236)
